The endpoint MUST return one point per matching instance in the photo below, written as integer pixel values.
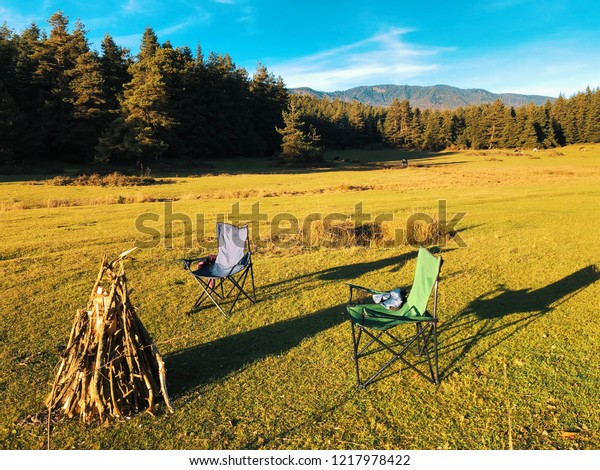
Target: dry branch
(111, 367)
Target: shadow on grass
(336, 160)
(488, 314)
(210, 362)
(349, 271)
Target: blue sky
(541, 47)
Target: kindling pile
(110, 367)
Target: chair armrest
(366, 289)
(188, 261)
(353, 287)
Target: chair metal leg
(419, 345)
(435, 354)
(219, 292)
(252, 278)
(355, 343)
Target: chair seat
(217, 271)
(377, 317)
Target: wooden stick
(110, 367)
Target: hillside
(424, 97)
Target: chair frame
(419, 344)
(216, 294)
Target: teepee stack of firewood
(110, 367)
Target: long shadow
(488, 313)
(504, 301)
(349, 272)
(210, 362)
(254, 166)
(336, 161)
(336, 273)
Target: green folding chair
(372, 324)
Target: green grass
(521, 297)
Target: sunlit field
(519, 309)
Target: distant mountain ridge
(424, 97)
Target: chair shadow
(207, 363)
(487, 314)
(351, 271)
(346, 272)
(336, 273)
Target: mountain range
(424, 97)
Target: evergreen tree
(558, 114)
(146, 105)
(510, 135)
(452, 127)
(10, 121)
(268, 99)
(8, 57)
(592, 131)
(356, 123)
(90, 113)
(228, 106)
(149, 45)
(297, 145)
(547, 126)
(475, 135)
(398, 123)
(56, 58)
(494, 117)
(528, 134)
(114, 62)
(194, 117)
(432, 130)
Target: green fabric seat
(375, 321)
(378, 317)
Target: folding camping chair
(225, 278)
(373, 322)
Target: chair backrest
(232, 242)
(426, 275)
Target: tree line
(494, 125)
(62, 101)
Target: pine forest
(60, 100)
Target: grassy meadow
(519, 305)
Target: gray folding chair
(224, 280)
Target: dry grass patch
(111, 180)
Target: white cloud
(130, 41)
(137, 7)
(15, 20)
(383, 58)
(131, 6)
(174, 28)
